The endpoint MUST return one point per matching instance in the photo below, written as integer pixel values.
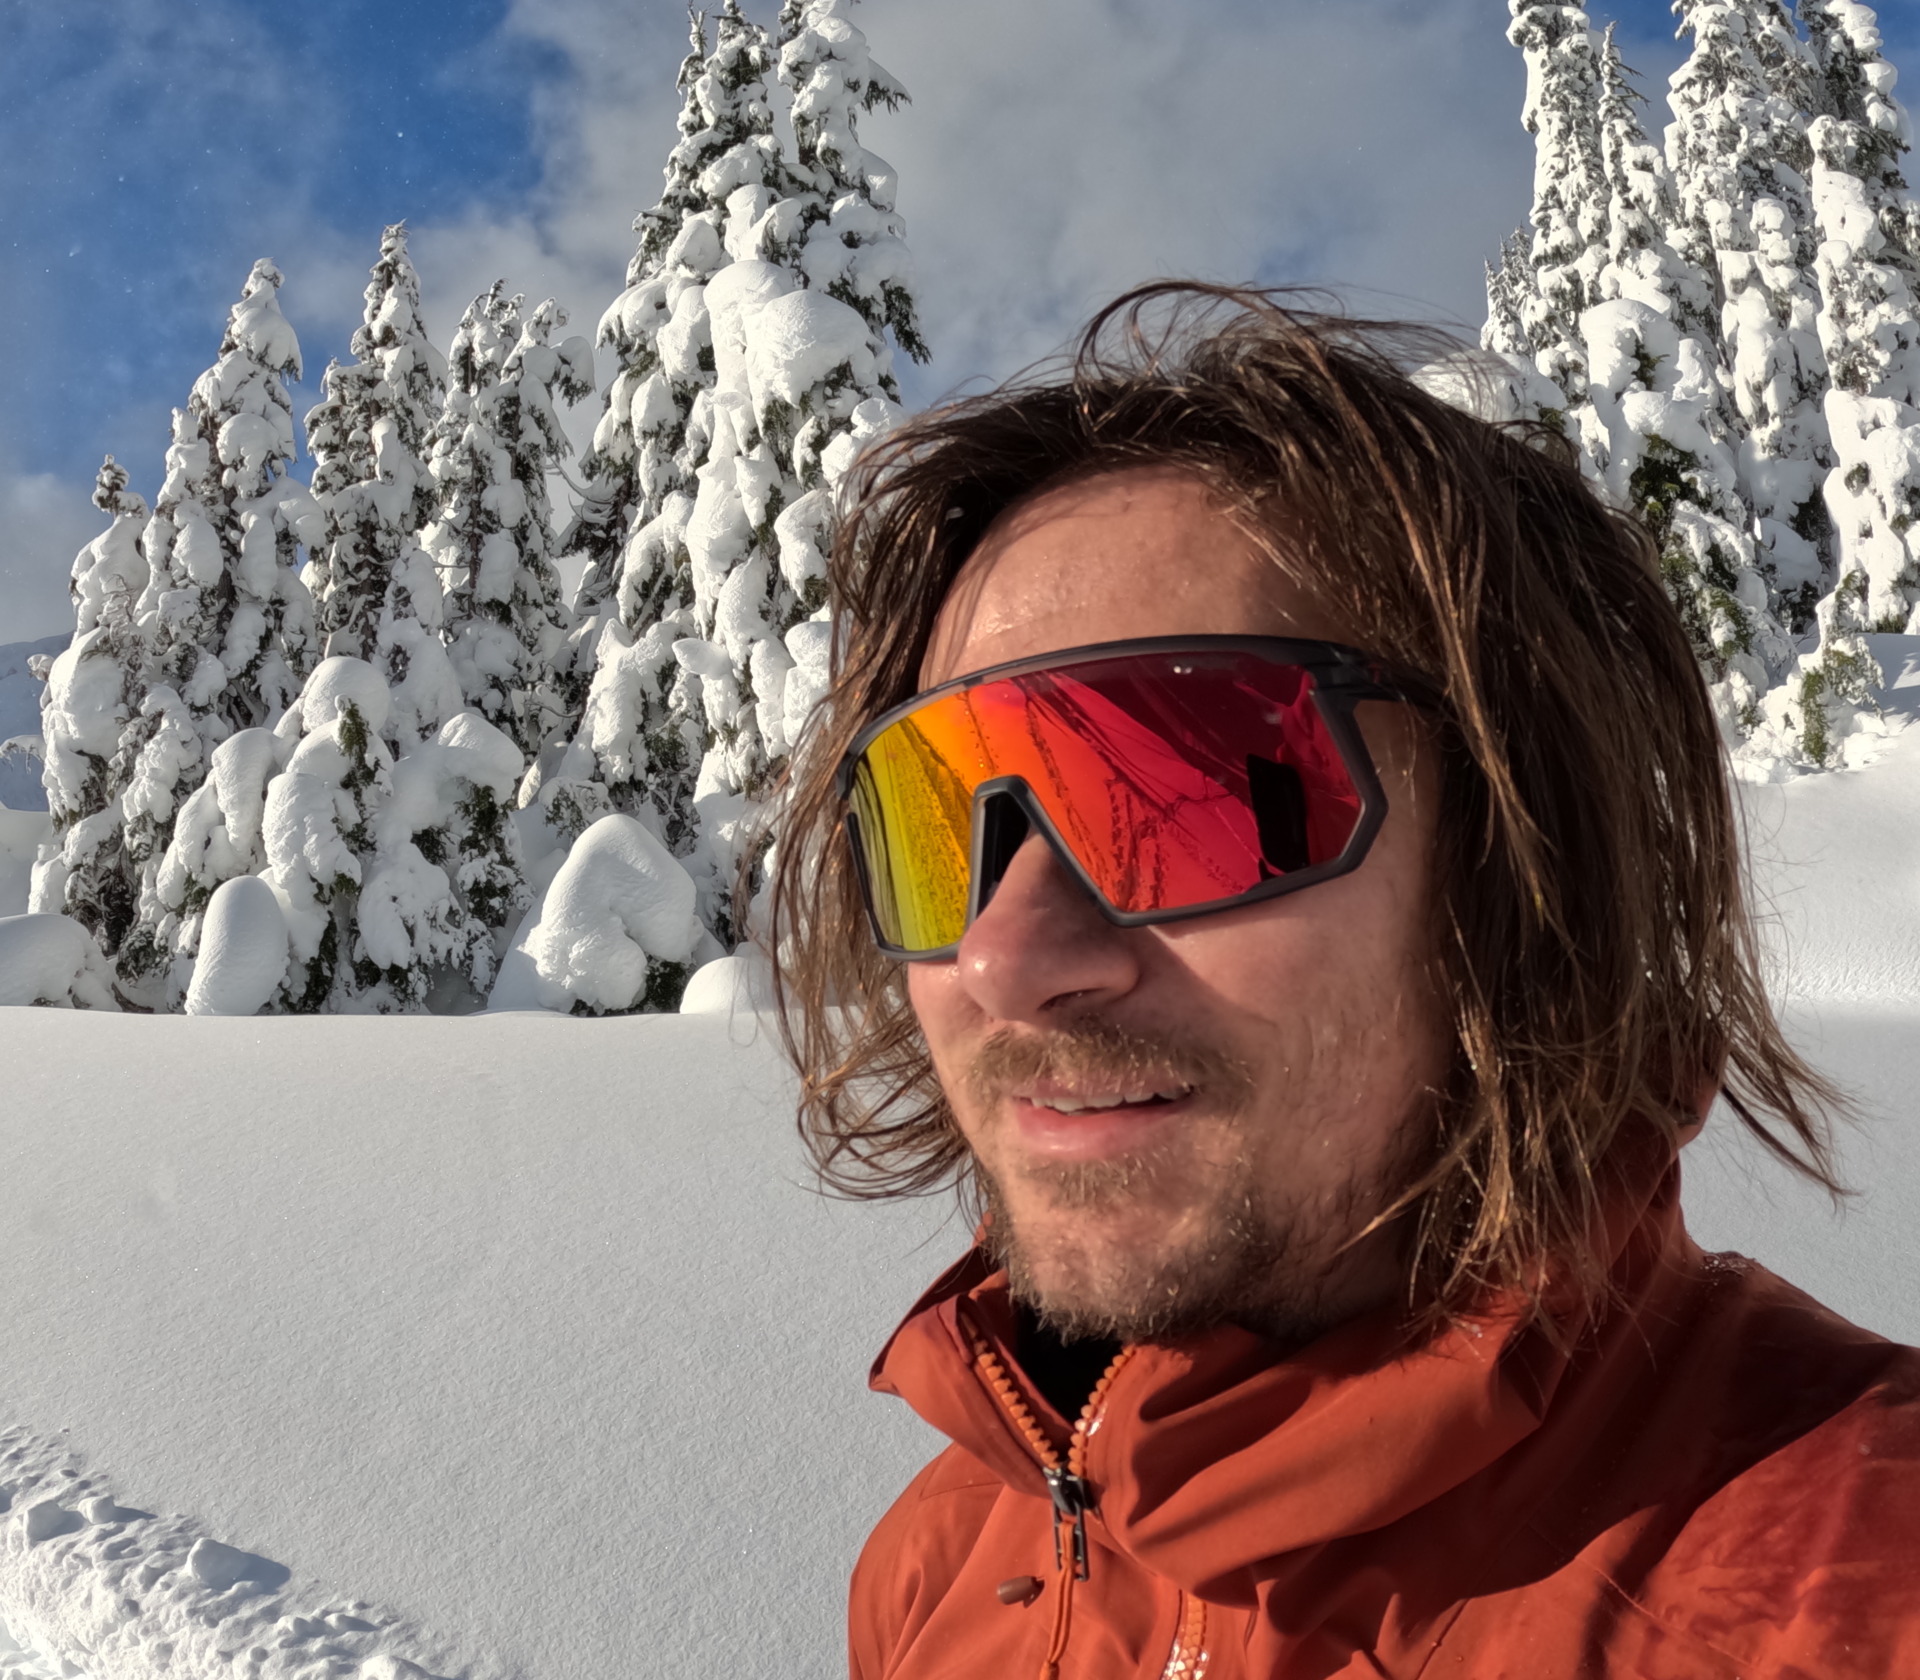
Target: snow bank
(521, 1329)
(50, 959)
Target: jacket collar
(1217, 1455)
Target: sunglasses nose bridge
(1001, 824)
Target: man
(1269, 843)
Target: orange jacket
(1723, 1481)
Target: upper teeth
(1113, 1099)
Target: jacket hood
(1221, 1462)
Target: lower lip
(1096, 1134)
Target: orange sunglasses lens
(1175, 780)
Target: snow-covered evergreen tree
(1662, 415)
(1869, 273)
(855, 246)
(657, 327)
(1509, 294)
(230, 623)
(94, 689)
(635, 747)
(493, 446)
(1569, 189)
(803, 374)
(368, 436)
(234, 624)
(397, 879)
(1740, 157)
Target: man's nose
(1040, 949)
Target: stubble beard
(1245, 1255)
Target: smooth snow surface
(518, 1329)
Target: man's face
(1184, 1124)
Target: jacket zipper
(1066, 1484)
(1188, 1660)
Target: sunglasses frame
(1342, 676)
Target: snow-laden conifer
(492, 539)
(397, 878)
(233, 623)
(1663, 417)
(1869, 274)
(636, 747)
(616, 931)
(94, 688)
(368, 438)
(803, 376)
(855, 246)
(1570, 195)
(657, 327)
(1509, 295)
(1740, 158)
(230, 623)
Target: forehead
(1112, 558)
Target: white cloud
(1054, 155)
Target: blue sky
(150, 152)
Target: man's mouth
(1060, 1122)
(1094, 1102)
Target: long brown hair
(1594, 952)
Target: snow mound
(619, 905)
(243, 950)
(48, 959)
(337, 683)
(741, 984)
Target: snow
(620, 903)
(20, 835)
(52, 960)
(243, 950)
(521, 1340)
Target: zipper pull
(1072, 1499)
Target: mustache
(1098, 1053)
